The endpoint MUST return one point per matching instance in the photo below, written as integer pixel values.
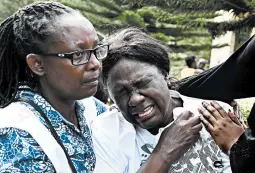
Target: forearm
(156, 163)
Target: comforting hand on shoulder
(224, 126)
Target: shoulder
(95, 104)
(113, 122)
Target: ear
(35, 64)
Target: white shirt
(120, 147)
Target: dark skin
(141, 92)
(224, 127)
(62, 83)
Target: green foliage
(132, 18)
(9, 7)
(186, 26)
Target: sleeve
(242, 154)
(19, 152)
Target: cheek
(159, 97)
(64, 74)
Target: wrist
(166, 156)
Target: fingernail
(204, 103)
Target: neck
(65, 107)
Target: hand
(218, 122)
(238, 116)
(179, 136)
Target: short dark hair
(189, 60)
(132, 43)
(21, 34)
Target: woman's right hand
(179, 136)
(174, 141)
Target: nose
(135, 99)
(93, 63)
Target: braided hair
(21, 34)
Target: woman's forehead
(74, 32)
(132, 70)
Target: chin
(147, 126)
(86, 94)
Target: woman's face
(61, 78)
(141, 93)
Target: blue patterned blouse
(19, 152)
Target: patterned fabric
(19, 152)
(100, 106)
(203, 157)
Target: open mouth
(145, 114)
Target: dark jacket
(233, 79)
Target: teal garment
(19, 152)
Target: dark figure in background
(191, 68)
(201, 63)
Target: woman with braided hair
(49, 59)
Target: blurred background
(210, 30)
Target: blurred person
(201, 63)
(191, 69)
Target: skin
(135, 90)
(134, 86)
(219, 123)
(62, 83)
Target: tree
(186, 26)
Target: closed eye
(140, 84)
(121, 92)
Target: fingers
(181, 113)
(237, 120)
(236, 109)
(212, 110)
(208, 116)
(233, 103)
(193, 121)
(234, 118)
(197, 127)
(207, 125)
(221, 111)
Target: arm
(173, 143)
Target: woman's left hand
(220, 125)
